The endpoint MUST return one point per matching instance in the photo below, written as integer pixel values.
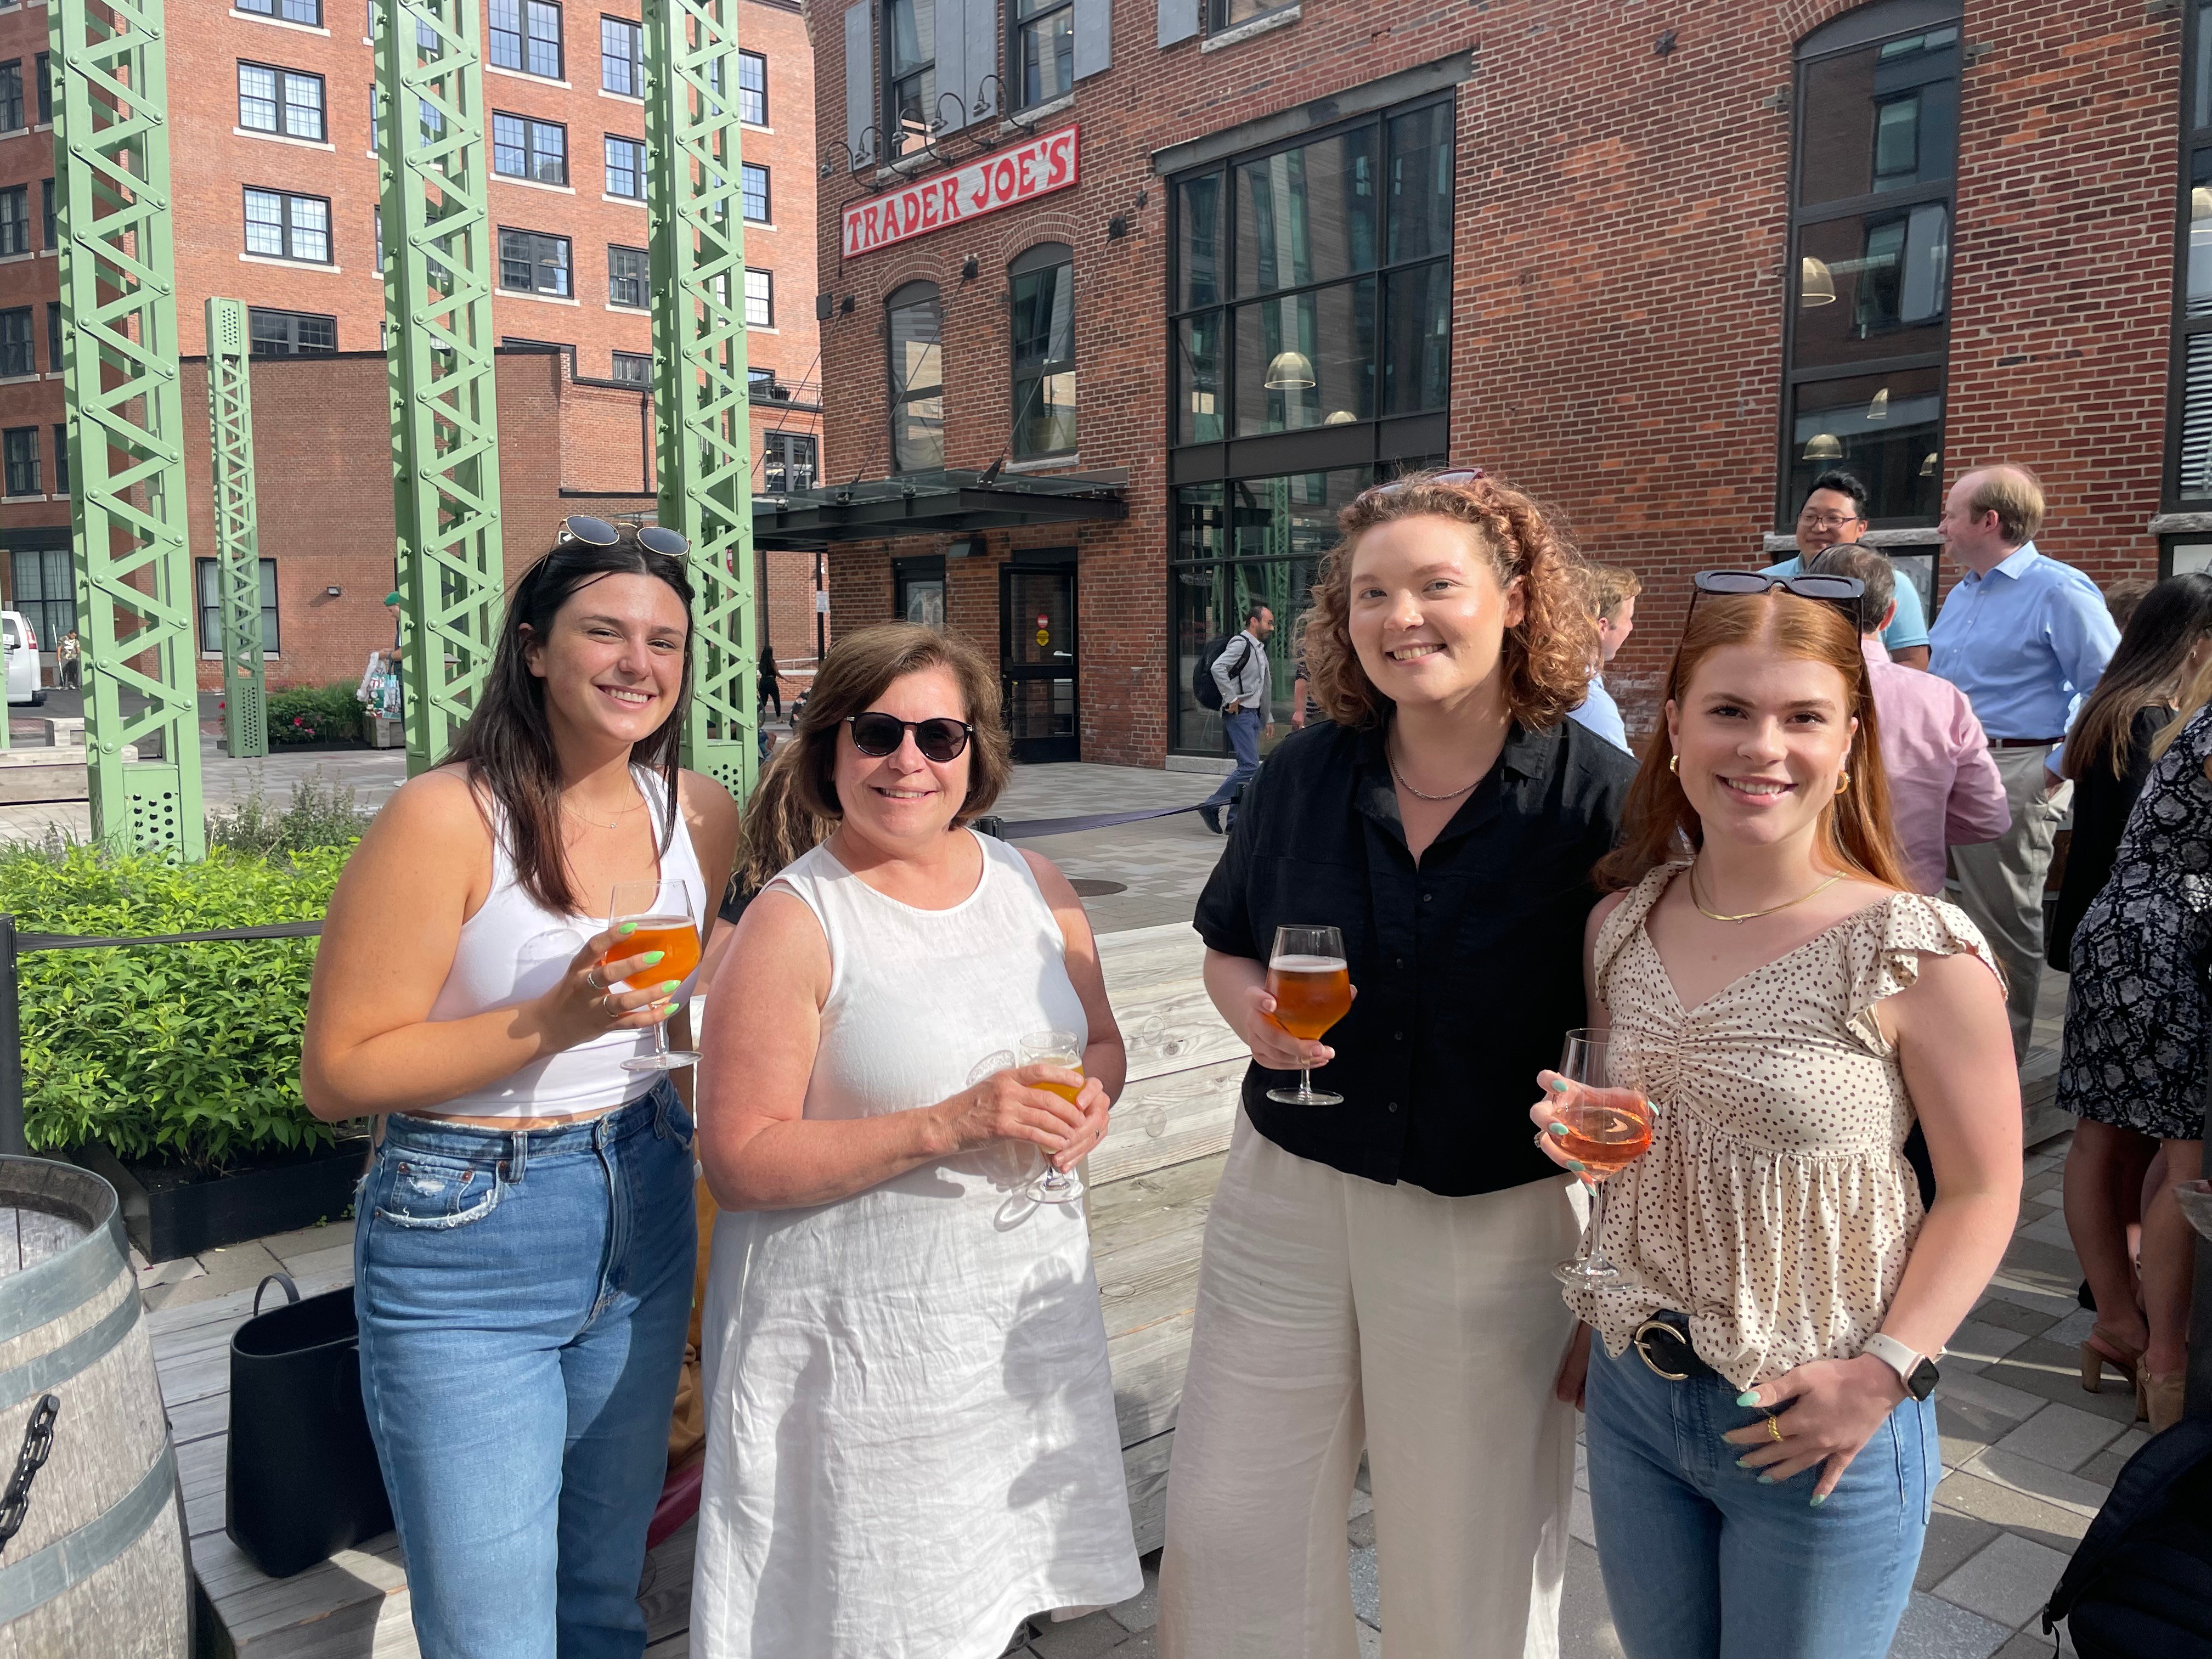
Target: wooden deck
(1152, 1181)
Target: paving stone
(1366, 1588)
(1975, 1345)
(1141, 1611)
(1143, 1645)
(1361, 1532)
(307, 1241)
(1371, 1640)
(154, 1273)
(1952, 1539)
(2072, 1331)
(2033, 1293)
(2046, 1368)
(1967, 1430)
(1933, 1629)
(2031, 1210)
(2047, 1180)
(1976, 1388)
(2031, 1517)
(235, 1267)
(2011, 1317)
(2038, 1480)
(2065, 1436)
(2050, 1228)
(2030, 1644)
(1586, 1629)
(2009, 1582)
(1077, 1638)
(1579, 1522)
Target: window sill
(1036, 114)
(755, 126)
(534, 183)
(623, 201)
(16, 379)
(618, 97)
(50, 254)
(289, 264)
(542, 299)
(17, 258)
(284, 138)
(14, 132)
(752, 225)
(629, 311)
(2181, 524)
(51, 375)
(1274, 20)
(17, 501)
(525, 74)
(280, 22)
(762, 328)
(43, 126)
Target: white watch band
(1895, 1355)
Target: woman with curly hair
(1378, 1274)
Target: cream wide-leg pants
(1336, 1314)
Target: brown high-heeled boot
(2100, 1349)
(2158, 1396)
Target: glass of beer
(662, 911)
(1054, 1049)
(1311, 983)
(1608, 1128)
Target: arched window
(1044, 349)
(1871, 196)
(917, 372)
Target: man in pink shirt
(1944, 789)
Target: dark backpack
(2140, 1585)
(1201, 675)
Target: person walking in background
(1835, 513)
(2108, 756)
(1944, 789)
(770, 687)
(2024, 637)
(1240, 673)
(1305, 707)
(1612, 591)
(68, 662)
(1377, 1274)
(1763, 1451)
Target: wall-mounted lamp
(966, 548)
(823, 304)
(1117, 227)
(969, 268)
(845, 307)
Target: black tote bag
(303, 1482)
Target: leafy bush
(185, 1051)
(307, 714)
(322, 814)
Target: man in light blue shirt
(1835, 513)
(1612, 589)
(2024, 637)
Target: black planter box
(172, 1211)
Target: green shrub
(185, 1051)
(309, 713)
(322, 814)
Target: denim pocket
(414, 1190)
(676, 1123)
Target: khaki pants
(1336, 1314)
(2001, 882)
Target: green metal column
(126, 423)
(439, 260)
(699, 385)
(237, 535)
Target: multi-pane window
(50, 224)
(44, 590)
(46, 79)
(282, 226)
(1228, 14)
(208, 577)
(1869, 304)
(910, 72)
(61, 459)
(1044, 351)
(526, 35)
(280, 100)
(1044, 49)
(917, 377)
(53, 337)
(628, 276)
(633, 368)
(760, 299)
(309, 12)
(752, 88)
(377, 218)
(21, 446)
(16, 354)
(789, 461)
(290, 333)
(620, 58)
(524, 149)
(2191, 442)
(15, 219)
(11, 95)
(625, 168)
(533, 264)
(753, 185)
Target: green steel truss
(439, 265)
(705, 434)
(125, 422)
(237, 537)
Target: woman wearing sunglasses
(523, 1248)
(1763, 1454)
(911, 1442)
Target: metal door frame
(1042, 561)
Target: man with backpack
(1237, 675)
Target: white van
(21, 645)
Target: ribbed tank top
(515, 949)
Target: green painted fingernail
(1558, 1129)
(652, 956)
(626, 929)
(669, 985)
(1765, 1480)
(674, 1009)
(1576, 1164)
(1818, 1499)
(1558, 1085)
(1746, 1399)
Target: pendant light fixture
(1289, 371)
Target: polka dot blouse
(1776, 1208)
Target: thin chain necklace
(1751, 915)
(1420, 795)
(619, 815)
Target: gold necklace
(616, 823)
(1751, 915)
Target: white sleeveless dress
(911, 1442)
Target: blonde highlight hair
(2014, 494)
(2193, 697)
(1547, 655)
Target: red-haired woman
(1762, 1451)
(1378, 1274)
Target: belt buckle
(1650, 1328)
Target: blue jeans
(1243, 729)
(523, 1299)
(1702, 1562)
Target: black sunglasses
(598, 533)
(940, 740)
(1845, 592)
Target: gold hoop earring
(1843, 782)
(1674, 764)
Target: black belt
(1663, 1342)
(2024, 743)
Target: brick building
(274, 174)
(1658, 264)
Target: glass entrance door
(1036, 656)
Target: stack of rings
(1774, 1428)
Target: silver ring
(605, 1003)
(592, 977)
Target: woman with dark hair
(524, 1242)
(1770, 983)
(1378, 1274)
(911, 1442)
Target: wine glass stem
(1597, 1226)
(1306, 1079)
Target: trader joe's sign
(1036, 168)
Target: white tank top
(515, 949)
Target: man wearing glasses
(1834, 513)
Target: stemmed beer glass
(1055, 1186)
(662, 911)
(1608, 1128)
(1310, 981)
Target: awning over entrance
(948, 503)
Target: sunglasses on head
(1845, 592)
(1458, 475)
(598, 533)
(879, 734)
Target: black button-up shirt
(1468, 963)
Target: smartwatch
(1916, 1370)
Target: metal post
(237, 535)
(701, 404)
(12, 1137)
(439, 260)
(125, 422)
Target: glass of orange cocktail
(661, 911)
(1608, 1127)
(1310, 981)
(1055, 1186)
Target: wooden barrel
(98, 1570)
